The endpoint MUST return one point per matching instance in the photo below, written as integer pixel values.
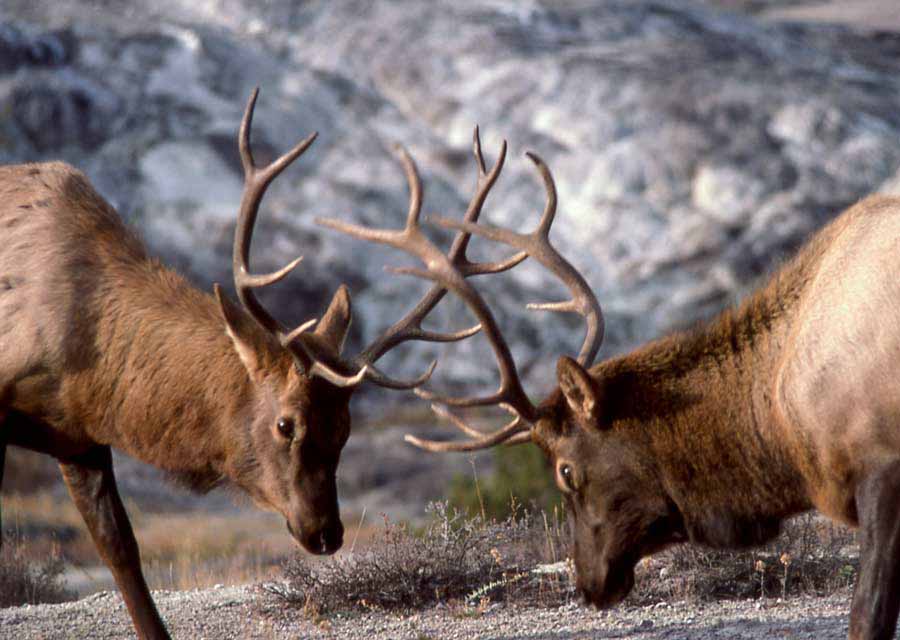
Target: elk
(102, 346)
(714, 436)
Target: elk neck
(168, 386)
(701, 404)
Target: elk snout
(320, 540)
(608, 588)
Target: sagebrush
(468, 561)
(812, 556)
(452, 559)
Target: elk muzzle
(605, 585)
(321, 538)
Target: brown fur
(789, 402)
(101, 346)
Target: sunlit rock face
(693, 149)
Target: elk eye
(286, 427)
(567, 476)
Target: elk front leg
(93, 488)
(876, 598)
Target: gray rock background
(693, 148)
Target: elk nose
(607, 591)
(331, 539)
(322, 541)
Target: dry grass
(197, 550)
(44, 523)
(183, 550)
(24, 580)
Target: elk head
(298, 418)
(602, 464)
(607, 484)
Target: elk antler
(256, 181)
(449, 272)
(510, 396)
(537, 245)
(412, 240)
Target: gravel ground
(245, 612)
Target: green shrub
(520, 477)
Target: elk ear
(240, 328)
(581, 391)
(335, 324)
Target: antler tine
(415, 186)
(321, 370)
(409, 327)
(376, 376)
(537, 245)
(289, 338)
(411, 240)
(510, 390)
(410, 233)
(483, 186)
(461, 242)
(549, 213)
(256, 181)
(513, 432)
(396, 238)
(313, 363)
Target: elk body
(787, 403)
(101, 347)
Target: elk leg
(93, 488)
(876, 597)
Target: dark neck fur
(701, 401)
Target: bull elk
(787, 403)
(101, 346)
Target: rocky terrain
(693, 148)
